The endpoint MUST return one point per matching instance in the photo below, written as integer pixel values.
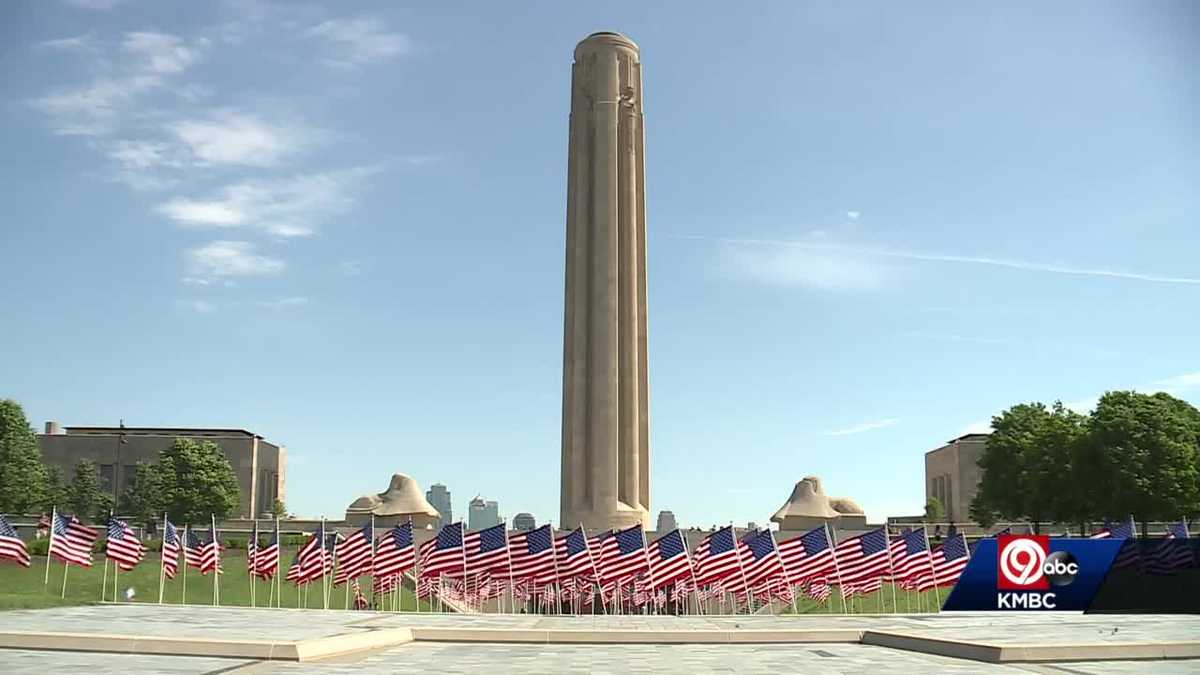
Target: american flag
(386, 584)
(443, 555)
(354, 554)
(949, 560)
(170, 549)
(760, 561)
(360, 600)
(71, 541)
(313, 557)
(532, 554)
(716, 557)
(396, 553)
(266, 560)
(1173, 553)
(573, 555)
(12, 547)
(252, 551)
(1125, 530)
(913, 561)
(863, 557)
(818, 589)
(123, 547)
(862, 587)
(425, 587)
(193, 550)
(622, 554)
(487, 550)
(295, 573)
(807, 556)
(668, 560)
(210, 553)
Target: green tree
(55, 495)
(1027, 464)
(1143, 455)
(85, 498)
(194, 479)
(22, 475)
(934, 511)
(143, 499)
(278, 509)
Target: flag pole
(186, 529)
(737, 549)
(66, 568)
(887, 537)
(217, 560)
(50, 546)
(932, 573)
(104, 578)
(587, 545)
(162, 571)
(251, 560)
(692, 571)
(836, 567)
(783, 567)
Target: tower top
(604, 40)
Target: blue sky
(341, 226)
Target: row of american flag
(623, 566)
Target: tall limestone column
(605, 424)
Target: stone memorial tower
(605, 419)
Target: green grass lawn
(880, 602)
(22, 588)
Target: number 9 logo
(1021, 562)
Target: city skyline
(869, 229)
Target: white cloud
(360, 41)
(222, 258)
(284, 207)
(822, 250)
(350, 268)
(284, 303)
(162, 53)
(236, 138)
(93, 109)
(795, 266)
(867, 426)
(94, 4)
(83, 42)
(853, 215)
(202, 306)
(1178, 384)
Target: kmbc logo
(1022, 564)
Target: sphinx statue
(809, 507)
(401, 501)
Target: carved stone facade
(605, 422)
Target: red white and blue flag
(1173, 553)
(487, 550)
(210, 553)
(170, 549)
(71, 541)
(760, 560)
(863, 557)
(443, 555)
(716, 557)
(266, 560)
(12, 547)
(532, 555)
(354, 554)
(123, 547)
(807, 556)
(623, 554)
(668, 560)
(395, 553)
(949, 560)
(574, 555)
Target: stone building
(482, 514)
(524, 522)
(260, 466)
(666, 522)
(400, 502)
(809, 507)
(952, 474)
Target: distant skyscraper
(482, 514)
(752, 526)
(524, 522)
(666, 521)
(439, 496)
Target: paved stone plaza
(841, 655)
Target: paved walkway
(304, 625)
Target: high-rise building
(605, 413)
(482, 513)
(666, 522)
(439, 497)
(524, 522)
